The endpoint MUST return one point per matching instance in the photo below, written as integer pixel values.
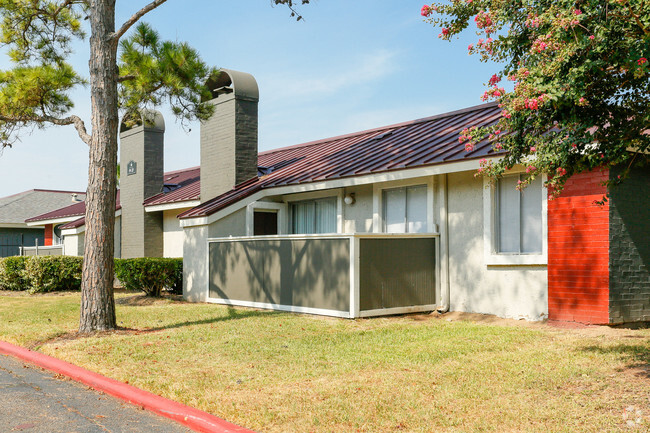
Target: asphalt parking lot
(34, 401)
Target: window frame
(336, 193)
(491, 233)
(378, 218)
(266, 206)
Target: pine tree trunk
(97, 302)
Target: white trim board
(335, 183)
(279, 307)
(172, 206)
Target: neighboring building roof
(15, 209)
(73, 210)
(422, 142)
(180, 185)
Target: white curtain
(314, 216)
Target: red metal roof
(75, 209)
(422, 142)
(185, 186)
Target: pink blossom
(560, 171)
(483, 161)
(532, 104)
(592, 37)
(425, 11)
(494, 79)
(533, 149)
(577, 12)
(469, 147)
(641, 61)
(506, 114)
(469, 47)
(445, 31)
(530, 169)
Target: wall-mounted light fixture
(349, 199)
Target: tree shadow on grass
(636, 355)
(233, 314)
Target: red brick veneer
(578, 251)
(48, 235)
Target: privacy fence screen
(337, 275)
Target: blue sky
(349, 66)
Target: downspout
(443, 307)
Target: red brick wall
(578, 251)
(48, 234)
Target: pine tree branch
(79, 124)
(115, 37)
(122, 78)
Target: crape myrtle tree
(130, 69)
(580, 98)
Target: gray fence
(50, 250)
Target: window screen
(314, 216)
(405, 209)
(518, 216)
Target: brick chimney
(229, 137)
(141, 176)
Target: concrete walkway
(34, 401)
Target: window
(405, 209)
(314, 216)
(518, 217)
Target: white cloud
(366, 69)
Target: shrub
(150, 274)
(52, 273)
(11, 273)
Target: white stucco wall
(172, 233)
(195, 263)
(195, 252)
(117, 236)
(506, 291)
(358, 216)
(232, 225)
(73, 245)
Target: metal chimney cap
(242, 84)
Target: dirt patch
(74, 335)
(144, 300)
(572, 328)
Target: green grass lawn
(276, 372)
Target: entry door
(265, 223)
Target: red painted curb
(193, 418)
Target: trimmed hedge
(11, 273)
(150, 274)
(52, 273)
(40, 274)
